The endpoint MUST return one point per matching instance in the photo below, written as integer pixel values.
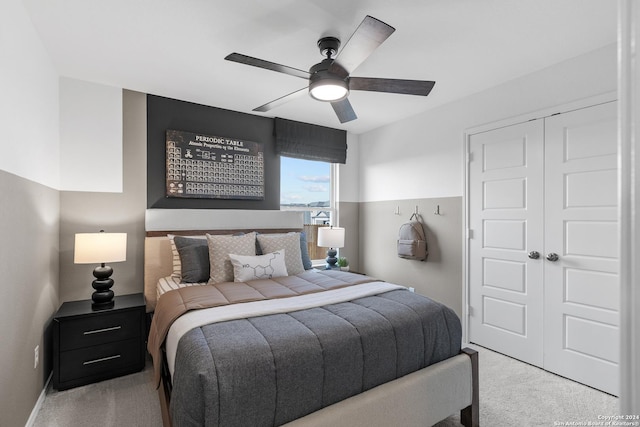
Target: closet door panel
(505, 218)
(581, 335)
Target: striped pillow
(169, 283)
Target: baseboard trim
(39, 403)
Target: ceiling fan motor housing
(321, 77)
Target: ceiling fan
(330, 80)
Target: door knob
(534, 255)
(553, 257)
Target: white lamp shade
(331, 237)
(97, 248)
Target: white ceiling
(177, 48)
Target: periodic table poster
(214, 167)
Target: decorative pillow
(177, 265)
(175, 258)
(169, 283)
(220, 246)
(258, 267)
(304, 251)
(290, 242)
(194, 259)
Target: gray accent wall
(440, 276)
(170, 114)
(89, 212)
(349, 218)
(29, 214)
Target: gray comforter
(269, 370)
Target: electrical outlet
(36, 356)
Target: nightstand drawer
(93, 330)
(101, 360)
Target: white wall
(90, 137)
(29, 100)
(421, 157)
(122, 212)
(29, 211)
(419, 162)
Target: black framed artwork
(213, 167)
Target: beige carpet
(125, 401)
(511, 394)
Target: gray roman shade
(310, 142)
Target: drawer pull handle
(97, 331)
(104, 359)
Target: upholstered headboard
(158, 258)
(158, 263)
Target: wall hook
(437, 211)
(415, 214)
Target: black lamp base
(103, 296)
(102, 306)
(331, 259)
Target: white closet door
(581, 301)
(505, 218)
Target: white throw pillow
(258, 267)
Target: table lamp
(100, 248)
(332, 238)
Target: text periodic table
(213, 167)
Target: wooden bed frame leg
(165, 398)
(470, 416)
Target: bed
(307, 349)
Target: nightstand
(93, 345)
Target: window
(306, 185)
(309, 186)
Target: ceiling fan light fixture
(328, 90)
(325, 85)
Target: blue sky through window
(304, 181)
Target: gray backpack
(412, 243)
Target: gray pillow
(306, 259)
(194, 257)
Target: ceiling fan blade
(407, 87)
(283, 99)
(261, 63)
(370, 34)
(344, 110)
